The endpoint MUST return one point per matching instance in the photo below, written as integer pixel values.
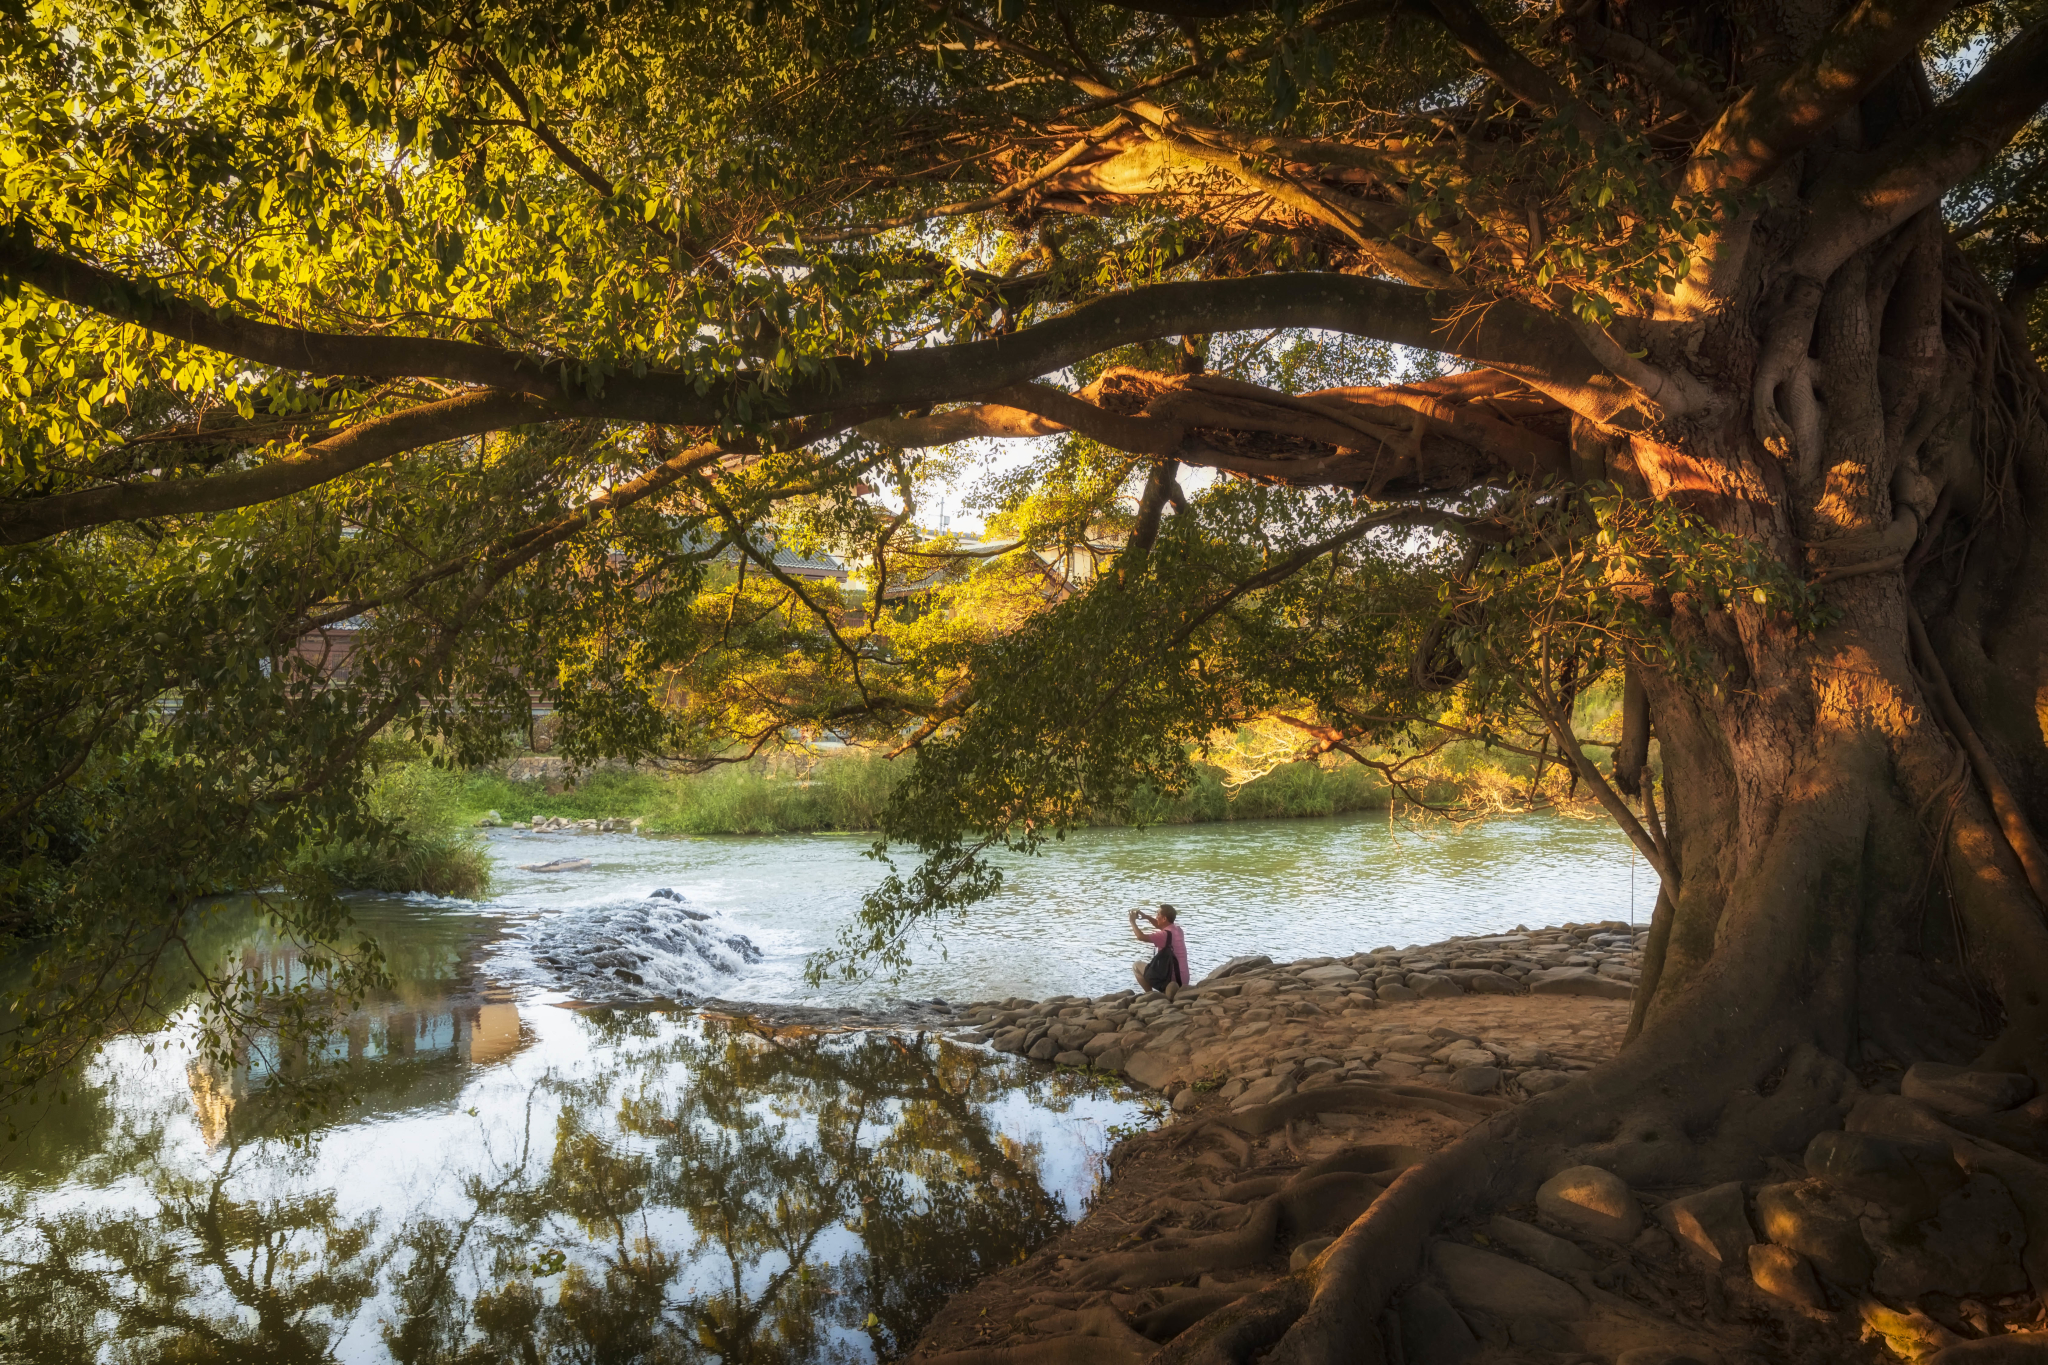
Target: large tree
(498, 323)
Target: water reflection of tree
(770, 1147)
(204, 1276)
(703, 1195)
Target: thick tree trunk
(1848, 893)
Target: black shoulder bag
(1164, 966)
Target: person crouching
(1167, 972)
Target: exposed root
(1303, 1206)
(1170, 1320)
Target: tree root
(1302, 1205)
(1202, 1213)
(2025, 1177)
(1243, 1329)
(1170, 1320)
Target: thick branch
(146, 304)
(1138, 435)
(361, 445)
(1094, 138)
(1916, 168)
(1159, 486)
(1541, 349)
(989, 421)
(1424, 432)
(1779, 118)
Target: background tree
(495, 323)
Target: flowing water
(495, 1175)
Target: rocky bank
(1916, 1231)
(1260, 1029)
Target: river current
(513, 1155)
(1287, 888)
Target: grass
(437, 808)
(848, 794)
(435, 851)
(836, 794)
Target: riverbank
(845, 794)
(1300, 1091)
(1258, 1030)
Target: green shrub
(431, 850)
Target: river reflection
(499, 1179)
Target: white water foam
(655, 947)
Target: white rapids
(652, 948)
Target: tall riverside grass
(836, 794)
(848, 793)
(436, 808)
(434, 851)
(1288, 792)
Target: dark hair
(1172, 915)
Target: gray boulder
(1237, 966)
(1713, 1222)
(1819, 1222)
(1474, 1080)
(1582, 981)
(1483, 1282)
(1543, 1082)
(1959, 1090)
(1592, 1203)
(1783, 1273)
(1907, 1175)
(1538, 1247)
(1971, 1246)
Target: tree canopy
(521, 334)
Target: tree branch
(1519, 76)
(1772, 121)
(1159, 486)
(1094, 138)
(146, 304)
(1541, 349)
(366, 443)
(1138, 435)
(1648, 63)
(1383, 431)
(1877, 194)
(583, 169)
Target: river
(495, 1174)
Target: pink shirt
(1180, 947)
